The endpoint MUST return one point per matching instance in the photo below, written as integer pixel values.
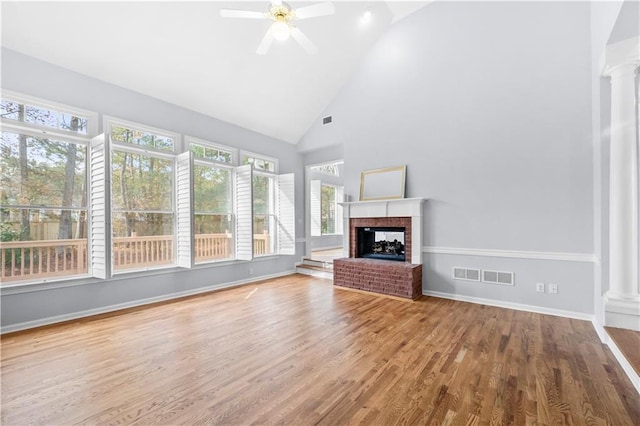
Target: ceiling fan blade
(230, 13)
(265, 44)
(320, 9)
(303, 41)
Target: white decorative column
(622, 302)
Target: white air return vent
(498, 277)
(466, 274)
(473, 274)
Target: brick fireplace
(401, 279)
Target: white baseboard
(510, 305)
(600, 331)
(134, 303)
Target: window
(328, 209)
(76, 204)
(213, 202)
(210, 152)
(43, 198)
(259, 162)
(264, 203)
(142, 201)
(147, 139)
(38, 114)
(326, 213)
(263, 214)
(327, 169)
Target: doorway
(324, 190)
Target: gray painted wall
(489, 106)
(57, 301)
(324, 154)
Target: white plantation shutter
(100, 208)
(339, 210)
(184, 200)
(316, 205)
(244, 209)
(285, 205)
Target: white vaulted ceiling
(186, 54)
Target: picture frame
(383, 184)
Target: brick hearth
(380, 276)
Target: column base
(621, 313)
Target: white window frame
(249, 154)
(329, 169)
(92, 117)
(35, 131)
(281, 205)
(189, 140)
(232, 170)
(272, 217)
(164, 154)
(109, 121)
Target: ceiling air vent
(328, 119)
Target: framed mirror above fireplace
(383, 184)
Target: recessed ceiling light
(366, 16)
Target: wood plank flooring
(628, 341)
(298, 351)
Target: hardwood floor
(298, 351)
(628, 341)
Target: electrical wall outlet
(250, 271)
(553, 288)
(540, 287)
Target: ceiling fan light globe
(280, 30)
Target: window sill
(264, 257)
(37, 285)
(34, 286)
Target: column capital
(622, 71)
(621, 56)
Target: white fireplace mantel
(402, 207)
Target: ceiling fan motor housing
(281, 14)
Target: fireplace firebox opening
(386, 243)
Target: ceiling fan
(282, 16)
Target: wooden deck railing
(212, 246)
(23, 260)
(27, 260)
(141, 252)
(261, 244)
